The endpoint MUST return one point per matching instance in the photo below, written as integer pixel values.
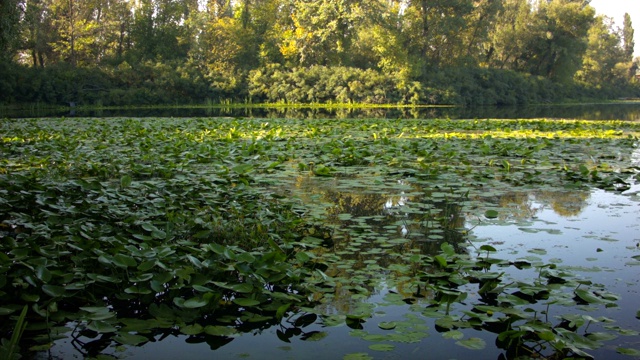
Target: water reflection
(617, 111)
(375, 232)
(523, 205)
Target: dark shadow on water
(615, 111)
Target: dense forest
(136, 52)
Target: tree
(434, 27)
(323, 31)
(10, 12)
(548, 39)
(602, 54)
(159, 29)
(627, 37)
(514, 30)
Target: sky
(616, 10)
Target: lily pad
(491, 214)
(382, 347)
(473, 343)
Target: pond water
(379, 221)
(592, 233)
(607, 111)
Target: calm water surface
(628, 111)
(594, 233)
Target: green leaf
(195, 302)
(5, 311)
(442, 261)
(149, 226)
(588, 296)
(282, 310)
(43, 274)
(357, 356)
(448, 249)
(488, 248)
(242, 169)
(220, 331)
(53, 290)
(382, 347)
(491, 214)
(627, 351)
(194, 329)
(101, 327)
(147, 265)
(453, 334)
(387, 325)
(125, 181)
(473, 343)
(125, 338)
(158, 234)
(246, 302)
(124, 261)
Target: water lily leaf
(124, 261)
(627, 351)
(242, 288)
(387, 325)
(488, 248)
(448, 249)
(357, 356)
(43, 274)
(220, 330)
(5, 311)
(158, 234)
(242, 169)
(588, 296)
(602, 336)
(194, 329)
(196, 302)
(101, 327)
(125, 338)
(147, 265)
(314, 336)
(382, 347)
(246, 302)
(203, 289)
(142, 289)
(491, 214)
(282, 310)
(538, 251)
(473, 343)
(453, 334)
(197, 263)
(149, 226)
(125, 181)
(53, 290)
(141, 277)
(246, 257)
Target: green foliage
(151, 52)
(320, 84)
(627, 37)
(135, 228)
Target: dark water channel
(627, 111)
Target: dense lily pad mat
(130, 228)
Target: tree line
(122, 52)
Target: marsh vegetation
(126, 235)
